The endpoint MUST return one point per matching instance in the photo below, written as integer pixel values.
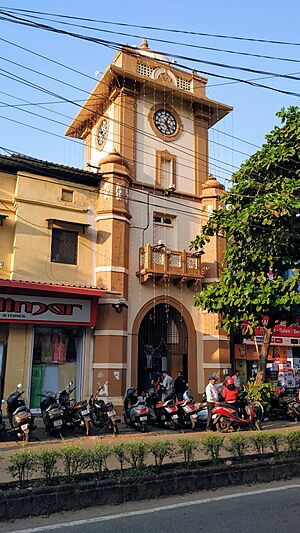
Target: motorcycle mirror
(3, 401)
(19, 386)
(71, 383)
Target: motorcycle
(20, 417)
(75, 414)
(226, 418)
(291, 408)
(164, 414)
(136, 411)
(190, 413)
(52, 413)
(103, 415)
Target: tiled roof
(48, 286)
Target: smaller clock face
(102, 132)
(165, 122)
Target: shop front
(283, 366)
(46, 337)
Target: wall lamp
(120, 304)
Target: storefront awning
(78, 290)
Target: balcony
(159, 264)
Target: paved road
(271, 508)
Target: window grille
(144, 70)
(183, 84)
(64, 246)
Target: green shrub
(120, 450)
(260, 393)
(293, 440)
(187, 448)
(75, 459)
(237, 445)
(46, 461)
(98, 456)
(22, 465)
(137, 452)
(259, 442)
(276, 441)
(212, 445)
(161, 449)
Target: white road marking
(117, 516)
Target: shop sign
(36, 309)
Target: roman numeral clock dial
(165, 122)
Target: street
(270, 508)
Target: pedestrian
(212, 397)
(167, 386)
(236, 378)
(180, 386)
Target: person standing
(212, 397)
(167, 385)
(236, 378)
(180, 386)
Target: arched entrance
(163, 344)
(163, 338)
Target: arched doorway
(162, 344)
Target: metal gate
(163, 344)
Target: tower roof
(143, 66)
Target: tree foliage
(260, 220)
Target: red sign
(282, 330)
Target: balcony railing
(160, 263)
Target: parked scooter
(103, 414)
(136, 411)
(164, 414)
(291, 408)
(20, 417)
(52, 413)
(190, 413)
(226, 418)
(75, 414)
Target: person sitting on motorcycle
(229, 394)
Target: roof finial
(144, 44)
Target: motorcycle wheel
(144, 427)
(172, 425)
(114, 428)
(194, 423)
(27, 437)
(86, 428)
(259, 410)
(223, 425)
(257, 425)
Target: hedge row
(71, 459)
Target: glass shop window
(57, 353)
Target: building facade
(142, 197)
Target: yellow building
(125, 225)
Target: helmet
(229, 381)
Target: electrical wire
(155, 28)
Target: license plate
(143, 418)
(85, 412)
(174, 417)
(111, 413)
(57, 423)
(194, 416)
(24, 427)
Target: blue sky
(254, 108)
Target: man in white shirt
(212, 397)
(167, 386)
(236, 377)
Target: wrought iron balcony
(160, 264)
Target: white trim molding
(215, 338)
(110, 365)
(111, 332)
(216, 365)
(103, 301)
(209, 280)
(112, 216)
(110, 268)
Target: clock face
(165, 122)
(102, 132)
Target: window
(164, 229)
(165, 169)
(67, 195)
(64, 246)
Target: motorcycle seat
(162, 404)
(20, 409)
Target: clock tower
(145, 127)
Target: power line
(160, 29)
(116, 45)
